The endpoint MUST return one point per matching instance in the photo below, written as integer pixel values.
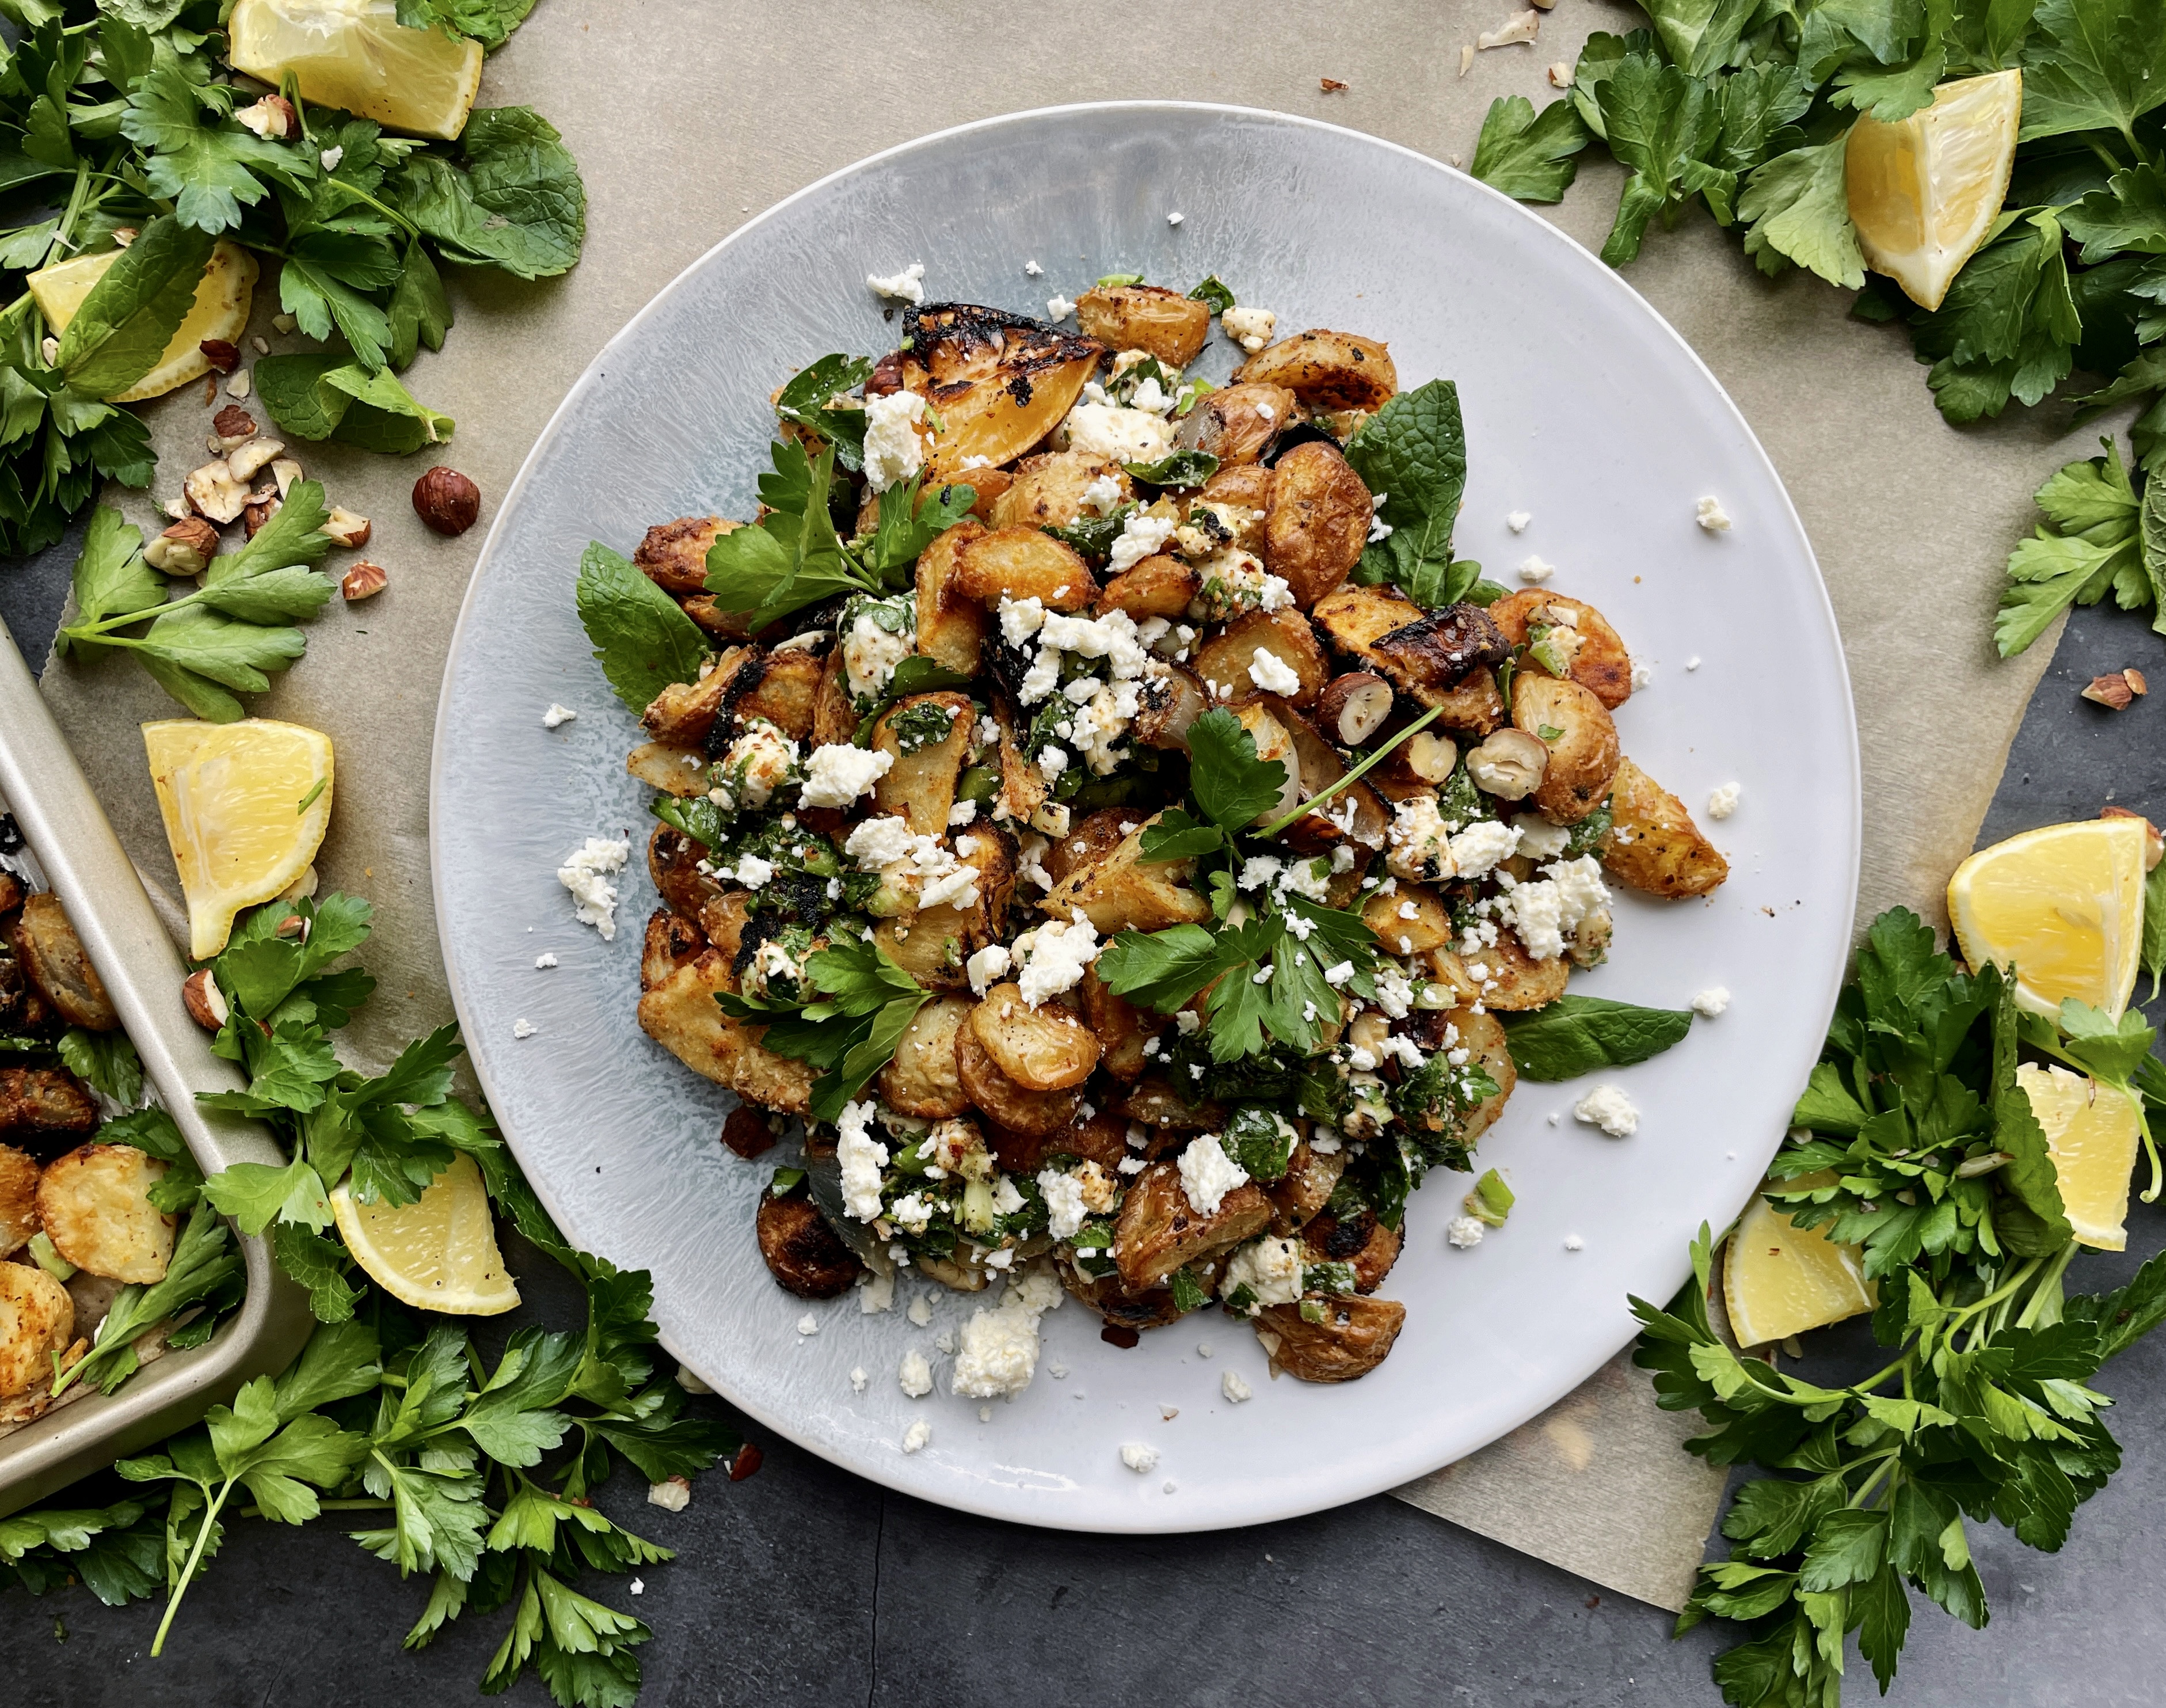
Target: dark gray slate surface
(806, 1586)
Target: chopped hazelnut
(362, 581)
(244, 460)
(271, 118)
(185, 548)
(2113, 692)
(446, 501)
(2134, 678)
(214, 492)
(346, 528)
(221, 354)
(259, 509)
(285, 471)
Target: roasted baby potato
(1653, 843)
(1303, 1190)
(53, 956)
(1416, 654)
(1023, 787)
(1515, 981)
(673, 862)
(1599, 663)
(1483, 1035)
(1115, 1304)
(804, 1255)
(1227, 663)
(1000, 383)
(37, 1319)
(678, 771)
(18, 1199)
(673, 555)
(1160, 1231)
(1122, 893)
(1089, 842)
(1354, 1338)
(1170, 326)
(951, 628)
(1048, 489)
(1361, 1240)
(1248, 485)
(920, 784)
(670, 942)
(1157, 1102)
(1318, 522)
(1034, 1115)
(1577, 728)
(922, 1078)
(1159, 586)
(782, 686)
(44, 1100)
(1411, 919)
(1022, 564)
(834, 718)
(1122, 1029)
(1326, 370)
(93, 1205)
(932, 943)
(1101, 1139)
(683, 715)
(1237, 423)
(680, 1014)
(1045, 1049)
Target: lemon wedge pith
(1924, 191)
(438, 1253)
(220, 311)
(246, 806)
(356, 54)
(2091, 1131)
(2064, 904)
(1779, 1279)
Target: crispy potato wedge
(727, 626)
(933, 944)
(1023, 788)
(922, 1078)
(37, 1319)
(920, 784)
(951, 629)
(49, 1100)
(1000, 383)
(1089, 842)
(1326, 370)
(680, 1014)
(18, 1199)
(1170, 326)
(1237, 423)
(1024, 563)
(1361, 1240)
(1158, 1103)
(1122, 893)
(1483, 1036)
(1410, 920)
(1160, 1231)
(1045, 1049)
(1226, 662)
(673, 555)
(804, 1255)
(1653, 844)
(683, 715)
(834, 718)
(1354, 1338)
(1124, 1029)
(678, 771)
(1248, 485)
(53, 956)
(673, 862)
(1159, 586)
(670, 942)
(1048, 489)
(1358, 620)
(93, 1205)
(1034, 1115)
(1303, 1190)
(1577, 728)
(782, 686)
(1115, 1304)
(1602, 665)
(1318, 522)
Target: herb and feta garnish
(1086, 976)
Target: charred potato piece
(1159, 586)
(1410, 920)
(93, 1205)
(1357, 620)
(1602, 665)
(1160, 1231)
(11, 892)
(683, 715)
(53, 955)
(1170, 326)
(1226, 662)
(18, 1199)
(1326, 370)
(673, 555)
(1237, 423)
(834, 718)
(1022, 564)
(1653, 844)
(44, 1100)
(723, 625)
(1023, 787)
(1354, 1338)
(921, 1079)
(1122, 1029)
(951, 629)
(1115, 1304)
(784, 689)
(678, 771)
(680, 1014)
(1248, 485)
(1361, 1240)
(1577, 728)
(671, 942)
(920, 784)
(1034, 1115)
(37, 1319)
(1317, 523)
(1303, 1191)
(804, 1255)
(1102, 1139)
(933, 944)
(1168, 703)
(1440, 649)
(1319, 767)
(1160, 1103)
(673, 862)
(1089, 842)
(1000, 383)
(1046, 1048)
(1048, 489)
(1122, 893)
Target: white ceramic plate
(1581, 407)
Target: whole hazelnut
(205, 1002)
(1510, 765)
(185, 548)
(446, 501)
(362, 581)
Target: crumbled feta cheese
(673, 1494)
(875, 1291)
(557, 714)
(752, 872)
(1250, 328)
(859, 1379)
(1272, 674)
(999, 1350)
(1692, 663)
(1269, 1268)
(1137, 1458)
(1059, 308)
(1116, 433)
(1539, 840)
(1174, 219)
(1573, 1242)
(915, 1375)
(1534, 572)
(987, 967)
(1231, 1385)
(1032, 270)
(1607, 1107)
(1337, 973)
(808, 1325)
(1643, 673)
(1142, 536)
(758, 762)
(1208, 1174)
(1418, 845)
(838, 773)
(916, 1435)
(1064, 1202)
(1465, 1232)
(586, 872)
(908, 286)
(893, 451)
(1709, 514)
(1547, 912)
(875, 842)
(1058, 957)
(1482, 844)
(1517, 521)
(524, 1028)
(861, 1157)
(1723, 800)
(1712, 1001)
(921, 1310)
(545, 960)
(1103, 495)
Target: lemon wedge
(1925, 191)
(221, 310)
(2065, 904)
(1779, 1279)
(246, 806)
(2091, 1131)
(438, 1253)
(356, 55)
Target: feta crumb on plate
(1059, 308)
(1032, 269)
(921, 1310)
(545, 960)
(1534, 572)
(1234, 1388)
(1607, 1107)
(916, 1435)
(1573, 1242)
(1723, 800)
(586, 872)
(1712, 1001)
(1174, 219)
(524, 1028)
(808, 1324)
(908, 286)
(557, 714)
(1137, 1458)
(859, 1379)
(1518, 520)
(1709, 514)
(915, 1375)
(1464, 1232)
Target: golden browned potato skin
(922, 1078)
(1160, 1231)
(1326, 370)
(53, 956)
(1158, 1103)
(1248, 485)
(1303, 1191)
(1159, 586)
(44, 1100)
(1048, 489)
(1225, 661)
(1354, 1338)
(1045, 1049)
(1236, 423)
(18, 1199)
(920, 784)
(1361, 1240)
(1517, 981)
(1318, 522)
(1356, 619)
(92, 1207)
(678, 771)
(1653, 844)
(1023, 788)
(1102, 1139)
(932, 943)
(1429, 929)
(1170, 326)
(673, 555)
(680, 1014)
(804, 1255)
(1024, 563)
(1034, 1115)
(1483, 1036)
(1603, 665)
(37, 1318)
(671, 941)
(1088, 841)
(951, 628)
(1122, 892)
(781, 688)
(684, 714)
(1119, 1308)
(1583, 755)
(1122, 1029)
(834, 719)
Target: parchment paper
(689, 117)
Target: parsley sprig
(858, 983)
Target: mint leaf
(1575, 1035)
(806, 400)
(489, 22)
(1413, 452)
(518, 203)
(1213, 291)
(641, 637)
(1528, 157)
(131, 314)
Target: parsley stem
(189, 1570)
(2048, 1287)
(361, 195)
(1324, 794)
